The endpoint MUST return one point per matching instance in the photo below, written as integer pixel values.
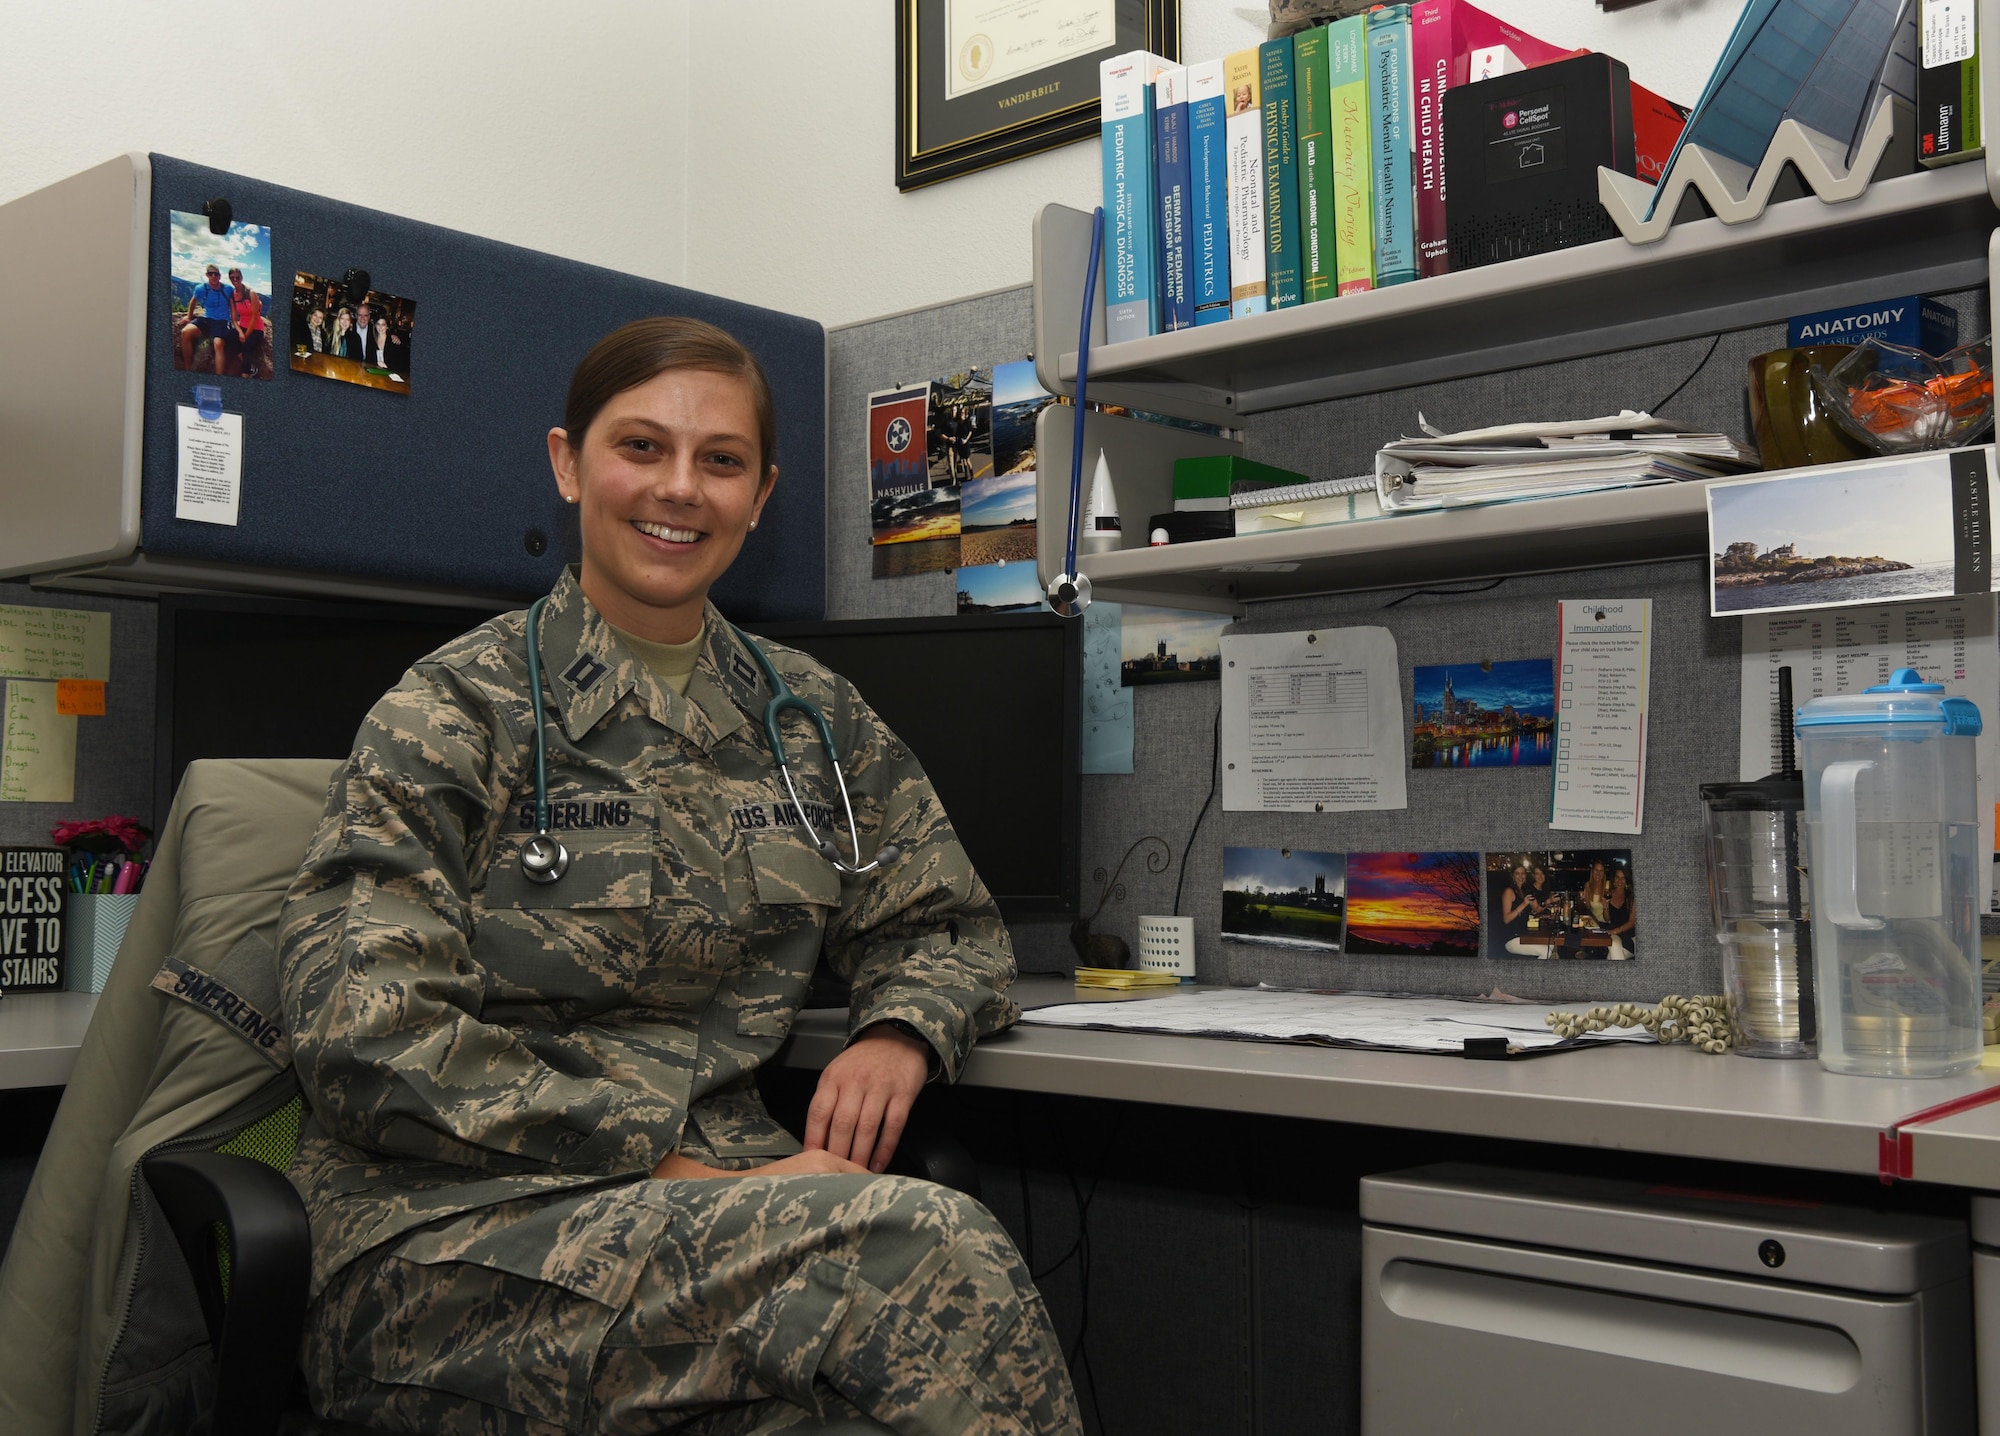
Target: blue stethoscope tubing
(1069, 594)
(544, 858)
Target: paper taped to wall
(51, 643)
(38, 756)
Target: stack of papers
(1336, 1019)
(1123, 977)
(1539, 461)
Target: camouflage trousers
(763, 1304)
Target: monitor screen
(988, 703)
(272, 678)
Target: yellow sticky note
(54, 643)
(38, 757)
(80, 697)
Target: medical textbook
(1311, 76)
(1170, 164)
(1243, 131)
(1131, 229)
(1391, 142)
(1353, 211)
(1279, 96)
(1208, 193)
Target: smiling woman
(539, 1172)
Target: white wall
(743, 149)
(559, 126)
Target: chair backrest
(155, 1071)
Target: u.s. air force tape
(213, 996)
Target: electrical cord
(1214, 774)
(1442, 593)
(1675, 391)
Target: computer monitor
(276, 678)
(988, 704)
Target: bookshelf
(1915, 233)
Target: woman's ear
(562, 459)
(764, 494)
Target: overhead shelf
(1917, 233)
(1663, 521)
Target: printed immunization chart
(1310, 722)
(1603, 669)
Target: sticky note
(80, 697)
(38, 756)
(54, 643)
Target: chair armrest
(938, 1157)
(256, 1329)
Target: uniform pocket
(787, 871)
(606, 870)
(577, 944)
(796, 890)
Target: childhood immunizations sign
(33, 918)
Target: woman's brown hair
(628, 357)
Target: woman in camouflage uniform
(545, 1195)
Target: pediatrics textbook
(1208, 193)
(1131, 229)
(1391, 141)
(1243, 130)
(1170, 162)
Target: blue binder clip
(208, 401)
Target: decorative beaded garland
(1701, 1022)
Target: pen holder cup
(97, 923)
(1166, 944)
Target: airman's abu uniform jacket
(466, 1037)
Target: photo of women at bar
(1561, 904)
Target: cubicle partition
(431, 484)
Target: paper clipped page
(51, 643)
(38, 755)
(1844, 650)
(1603, 672)
(1312, 722)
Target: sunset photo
(1413, 904)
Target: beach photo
(1803, 540)
(219, 294)
(1571, 904)
(1284, 897)
(996, 519)
(1413, 904)
(999, 588)
(1018, 401)
(362, 338)
(1483, 715)
(1169, 645)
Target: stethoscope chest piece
(544, 859)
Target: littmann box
(34, 896)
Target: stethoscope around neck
(544, 858)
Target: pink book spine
(1443, 35)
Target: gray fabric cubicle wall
(1692, 734)
(441, 485)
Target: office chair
(161, 1186)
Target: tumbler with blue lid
(1892, 816)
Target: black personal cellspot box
(1523, 151)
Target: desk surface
(1624, 1097)
(39, 1035)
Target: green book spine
(1281, 174)
(1316, 242)
(1353, 214)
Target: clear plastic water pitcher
(1893, 833)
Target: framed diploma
(982, 82)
